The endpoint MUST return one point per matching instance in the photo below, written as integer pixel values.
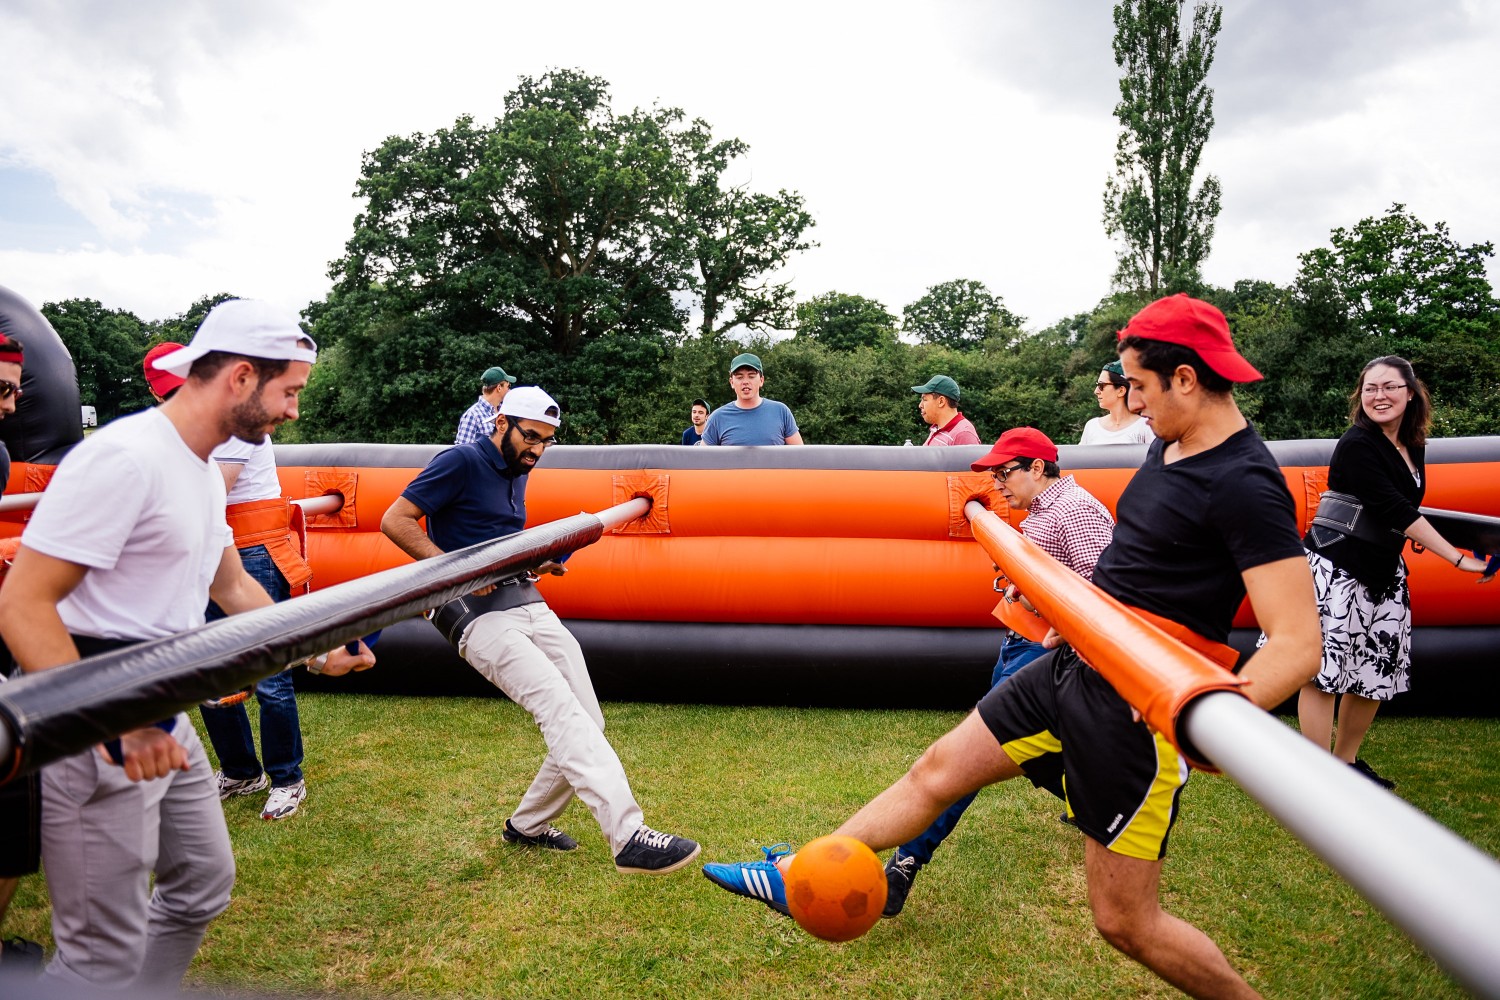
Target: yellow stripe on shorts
(1032, 747)
(1147, 829)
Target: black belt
(1340, 515)
(452, 618)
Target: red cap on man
(1189, 322)
(161, 382)
(10, 351)
(1018, 442)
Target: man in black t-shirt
(1205, 521)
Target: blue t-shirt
(469, 496)
(769, 423)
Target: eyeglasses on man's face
(9, 389)
(1388, 389)
(533, 438)
(1003, 473)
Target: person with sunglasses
(1118, 425)
(475, 493)
(1071, 526)
(20, 800)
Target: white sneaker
(239, 786)
(283, 801)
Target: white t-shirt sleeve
(74, 522)
(233, 452)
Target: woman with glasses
(1376, 480)
(1118, 425)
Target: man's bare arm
(401, 524)
(1281, 595)
(29, 621)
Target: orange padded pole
(1154, 672)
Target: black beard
(512, 457)
(248, 421)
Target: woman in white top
(1119, 425)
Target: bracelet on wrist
(1459, 560)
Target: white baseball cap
(527, 402)
(243, 326)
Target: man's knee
(198, 899)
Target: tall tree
(107, 346)
(960, 314)
(842, 322)
(738, 239)
(1166, 112)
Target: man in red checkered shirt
(1072, 527)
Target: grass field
(393, 879)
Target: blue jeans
(280, 731)
(1015, 653)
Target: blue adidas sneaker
(756, 879)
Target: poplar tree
(1166, 112)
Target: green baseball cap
(745, 361)
(940, 384)
(494, 376)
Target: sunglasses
(9, 389)
(1107, 385)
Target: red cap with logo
(161, 382)
(1018, 442)
(1189, 322)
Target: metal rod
(1437, 887)
(18, 501)
(328, 503)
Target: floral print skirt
(1366, 636)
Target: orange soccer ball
(835, 888)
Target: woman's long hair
(1418, 416)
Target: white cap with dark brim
(528, 402)
(243, 326)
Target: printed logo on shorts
(1118, 818)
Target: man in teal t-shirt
(748, 419)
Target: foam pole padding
(1150, 669)
(55, 713)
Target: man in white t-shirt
(271, 549)
(128, 543)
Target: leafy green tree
(960, 314)
(842, 322)
(108, 346)
(180, 328)
(1406, 288)
(1166, 115)
(738, 239)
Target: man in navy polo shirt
(477, 492)
(749, 419)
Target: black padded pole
(55, 713)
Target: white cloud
(214, 147)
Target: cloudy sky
(152, 153)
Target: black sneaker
(21, 957)
(900, 872)
(551, 838)
(653, 853)
(1369, 772)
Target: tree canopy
(843, 322)
(960, 314)
(1166, 112)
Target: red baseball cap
(1018, 442)
(1193, 323)
(160, 381)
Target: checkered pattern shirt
(1070, 525)
(477, 422)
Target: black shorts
(21, 826)
(1121, 780)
